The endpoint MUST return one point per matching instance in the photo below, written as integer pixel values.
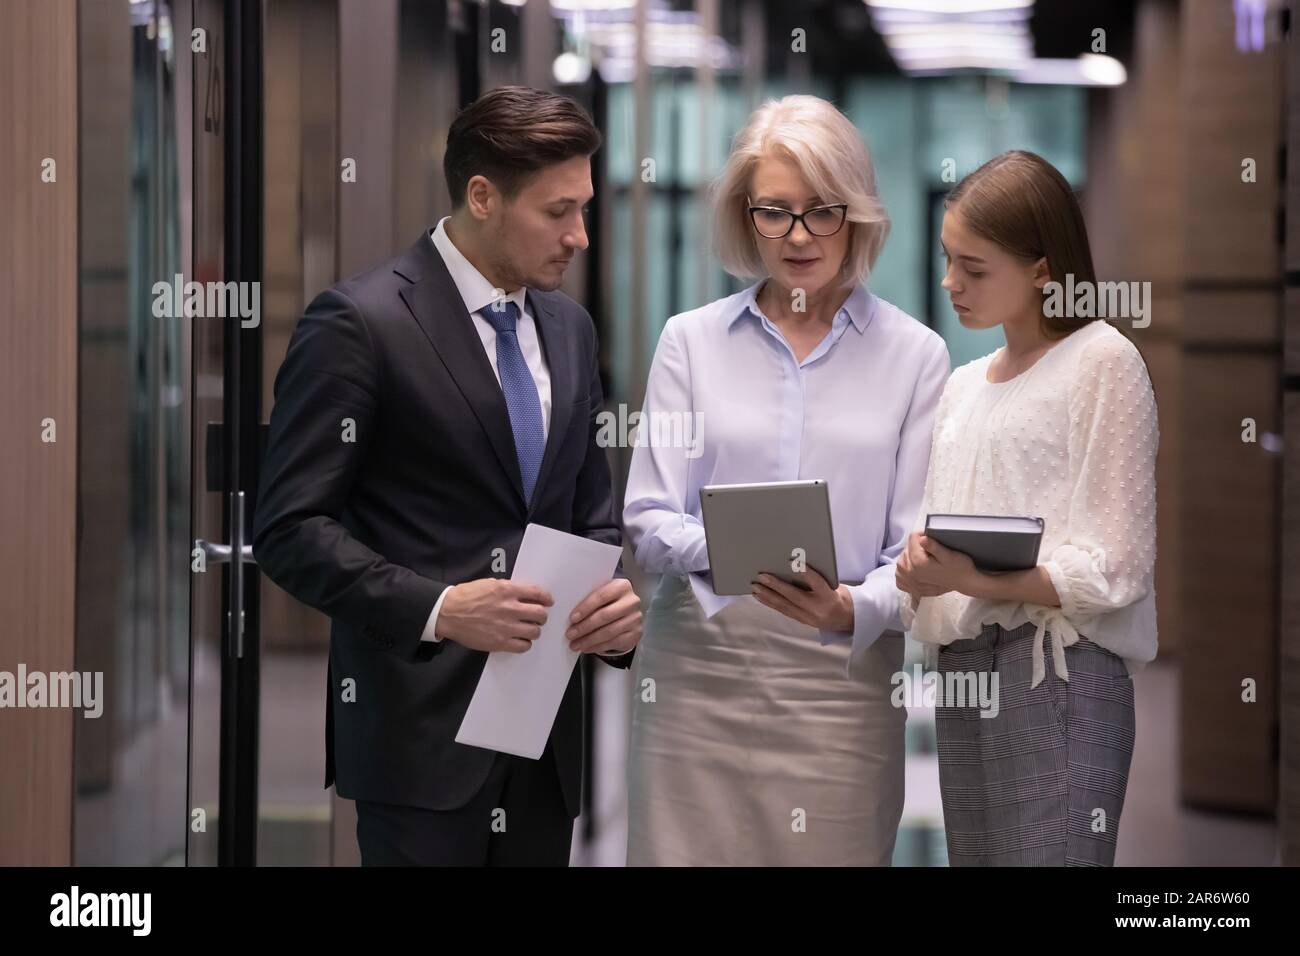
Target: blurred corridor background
(214, 139)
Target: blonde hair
(834, 160)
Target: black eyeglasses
(773, 222)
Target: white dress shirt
(478, 293)
(1071, 440)
(857, 411)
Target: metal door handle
(217, 553)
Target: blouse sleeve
(875, 600)
(1108, 558)
(907, 615)
(664, 536)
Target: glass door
(220, 127)
(133, 506)
(226, 362)
(265, 116)
(283, 92)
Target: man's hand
(492, 614)
(607, 621)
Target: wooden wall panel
(38, 380)
(1289, 652)
(1232, 100)
(1229, 583)
(1289, 768)
(1229, 572)
(1134, 206)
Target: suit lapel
(437, 306)
(554, 338)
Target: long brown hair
(1022, 203)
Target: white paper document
(518, 696)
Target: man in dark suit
(426, 411)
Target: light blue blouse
(857, 412)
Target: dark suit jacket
(370, 531)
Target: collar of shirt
(856, 311)
(859, 306)
(475, 290)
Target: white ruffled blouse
(1071, 440)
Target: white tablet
(772, 526)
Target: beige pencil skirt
(750, 746)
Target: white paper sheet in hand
(518, 696)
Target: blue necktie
(520, 391)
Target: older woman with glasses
(763, 730)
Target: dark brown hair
(1022, 203)
(511, 132)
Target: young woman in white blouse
(1060, 424)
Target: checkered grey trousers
(1042, 783)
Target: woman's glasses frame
(793, 217)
